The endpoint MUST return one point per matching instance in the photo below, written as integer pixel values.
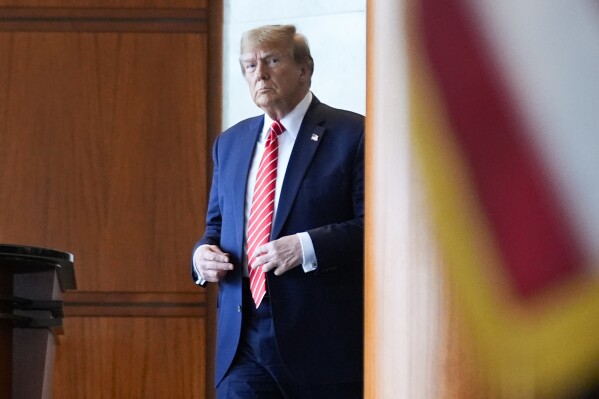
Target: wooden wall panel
(64, 19)
(104, 148)
(105, 153)
(132, 358)
(164, 4)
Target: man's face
(277, 84)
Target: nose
(261, 71)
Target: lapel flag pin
(314, 137)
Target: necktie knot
(275, 130)
(277, 127)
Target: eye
(250, 66)
(273, 61)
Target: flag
(504, 113)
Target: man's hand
(212, 263)
(281, 255)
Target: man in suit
(302, 338)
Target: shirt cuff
(200, 280)
(309, 256)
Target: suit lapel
(245, 150)
(306, 144)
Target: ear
(304, 75)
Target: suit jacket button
(239, 308)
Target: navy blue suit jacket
(317, 316)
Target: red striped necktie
(261, 213)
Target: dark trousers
(257, 371)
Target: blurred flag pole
(402, 284)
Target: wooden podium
(31, 313)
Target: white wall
(336, 32)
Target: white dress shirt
(292, 123)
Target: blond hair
(269, 35)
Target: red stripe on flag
(530, 228)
